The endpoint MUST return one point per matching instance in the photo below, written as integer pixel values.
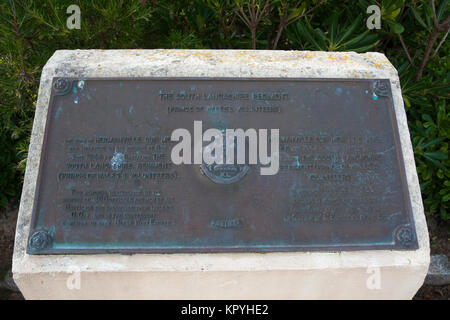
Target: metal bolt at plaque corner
(405, 236)
(380, 88)
(62, 86)
(39, 240)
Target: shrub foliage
(413, 36)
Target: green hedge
(412, 35)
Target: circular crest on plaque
(225, 173)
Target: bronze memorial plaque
(107, 182)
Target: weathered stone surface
(293, 275)
(439, 271)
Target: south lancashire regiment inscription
(108, 181)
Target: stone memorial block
(106, 210)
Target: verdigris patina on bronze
(107, 184)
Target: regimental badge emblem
(225, 173)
